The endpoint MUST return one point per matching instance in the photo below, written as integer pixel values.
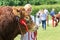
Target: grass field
(51, 33)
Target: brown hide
(8, 23)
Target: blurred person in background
(47, 13)
(43, 17)
(52, 13)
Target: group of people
(42, 16)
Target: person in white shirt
(43, 17)
(38, 19)
(29, 35)
(47, 13)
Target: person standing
(29, 35)
(43, 17)
(47, 13)
(38, 19)
(52, 13)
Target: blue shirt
(52, 13)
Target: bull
(11, 25)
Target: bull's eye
(27, 18)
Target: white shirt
(43, 16)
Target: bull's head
(26, 23)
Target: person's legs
(44, 24)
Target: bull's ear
(18, 10)
(21, 11)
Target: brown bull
(9, 23)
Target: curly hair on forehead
(19, 11)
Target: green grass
(51, 33)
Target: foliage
(23, 2)
(35, 9)
(11, 3)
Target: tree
(11, 3)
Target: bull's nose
(34, 28)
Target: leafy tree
(11, 3)
(23, 2)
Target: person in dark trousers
(43, 17)
(47, 13)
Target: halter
(23, 22)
